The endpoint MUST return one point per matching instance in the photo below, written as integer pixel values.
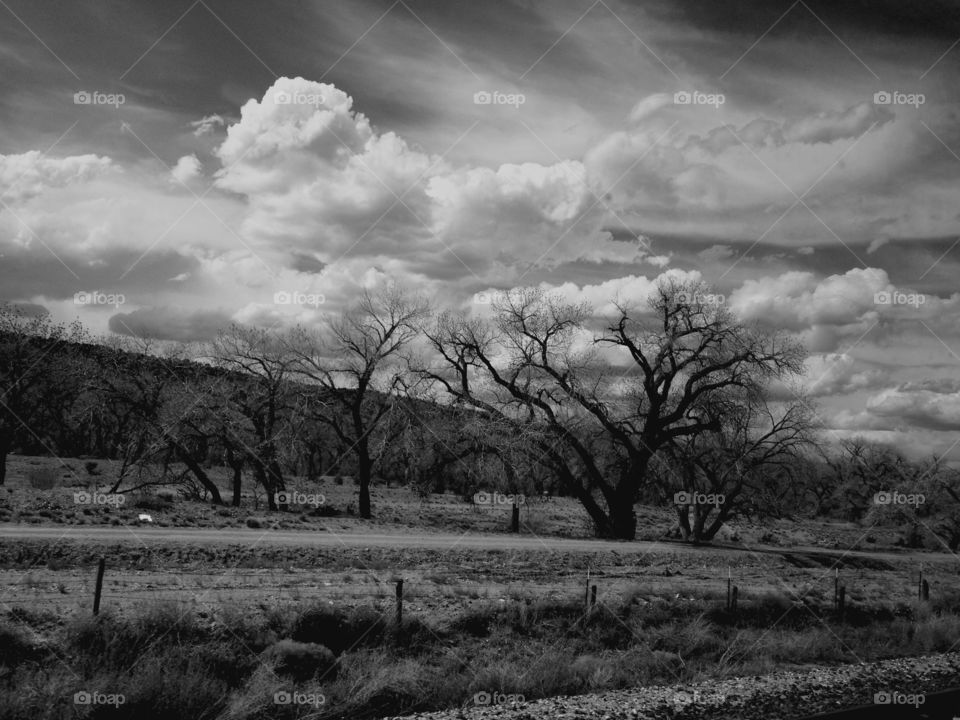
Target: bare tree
(610, 399)
(355, 366)
(262, 394)
(708, 475)
(34, 360)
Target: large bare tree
(608, 395)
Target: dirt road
(417, 540)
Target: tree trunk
(364, 467)
(200, 474)
(4, 451)
(623, 519)
(236, 464)
(683, 521)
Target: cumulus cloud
(188, 168)
(838, 374)
(930, 404)
(207, 125)
(28, 174)
(798, 300)
(825, 127)
(321, 181)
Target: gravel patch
(780, 695)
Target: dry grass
(168, 662)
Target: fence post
(734, 593)
(920, 584)
(842, 605)
(836, 589)
(925, 591)
(515, 518)
(729, 585)
(586, 591)
(98, 590)
(593, 596)
(399, 602)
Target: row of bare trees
(669, 400)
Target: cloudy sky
(169, 167)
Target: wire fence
(76, 590)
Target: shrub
(255, 523)
(152, 502)
(15, 647)
(43, 478)
(302, 661)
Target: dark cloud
(928, 20)
(170, 323)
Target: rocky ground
(781, 695)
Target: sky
(167, 168)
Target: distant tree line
(669, 402)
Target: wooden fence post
(515, 518)
(586, 591)
(842, 604)
(925, 591)
(399, 602)
(593, 596)
(98, 590)
(734, 594)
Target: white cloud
(29, 174)
(188, 168)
